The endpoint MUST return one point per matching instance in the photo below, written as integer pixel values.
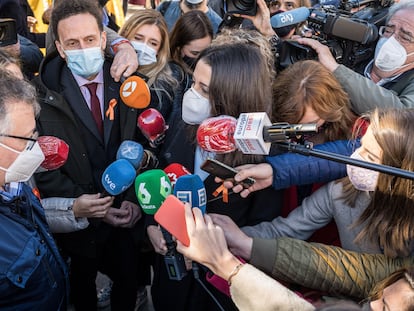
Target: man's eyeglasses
(388, 31)
(30, 140)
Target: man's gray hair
(402, 5)
(13, 89)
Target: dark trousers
(117, 258)
(184, 295)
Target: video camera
(8, 32)
(350, 36)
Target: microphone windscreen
(174, 171)
(216, 134)
(135, 93)
(55, 150)
(291, 17)
(152, 124)
(190, 188)
(131, 151)
(151, 188)
(118, 177)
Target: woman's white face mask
(195, 108)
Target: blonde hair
(159, 70)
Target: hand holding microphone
(92, 205)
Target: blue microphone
(190, 188)
(289, 18)
(131, 151)
(117, 177)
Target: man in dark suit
(75, 90)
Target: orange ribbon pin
(225, 191)
(110, 111)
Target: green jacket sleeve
(322, 267)
(365, 95)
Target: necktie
(95, 106)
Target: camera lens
(244, 5)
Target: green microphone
(152, 188)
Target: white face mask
(195, 108)
(390, 55)
(85, 62)
(361, 178)
(25, 164)
(146, 54)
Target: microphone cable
(196, 273)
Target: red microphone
(135, 93)
(216, 134)
(174, 171)
(55, 150)
(152, 125)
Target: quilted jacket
(327, 268)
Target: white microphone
(254, 132)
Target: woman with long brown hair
(228, 79)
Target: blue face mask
(85, 62)
(146, 54)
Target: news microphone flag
(151, 188)
(289, 18)
(135, 93)
(118, 177)
(174, 171)
(132, 152)
(190, 188)
(249, 133)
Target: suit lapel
(111, 91)
(74, 97)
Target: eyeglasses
(388, 31)
(30, 140)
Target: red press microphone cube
(216, 134)
(55, 150)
